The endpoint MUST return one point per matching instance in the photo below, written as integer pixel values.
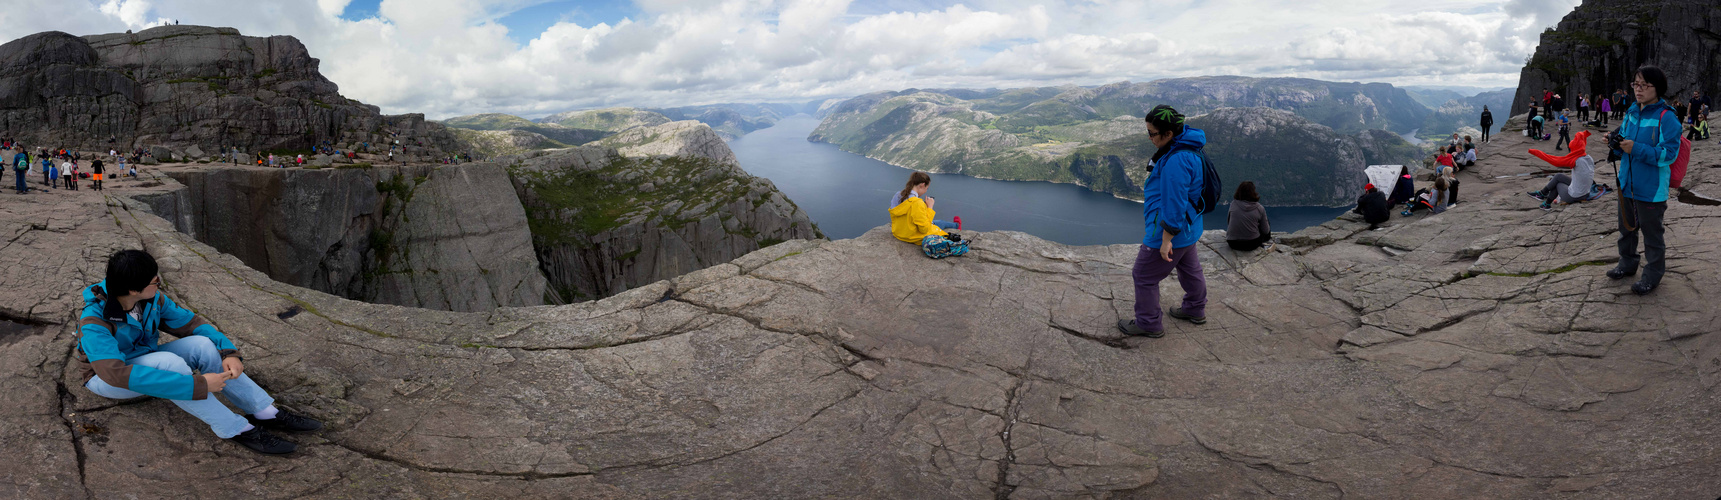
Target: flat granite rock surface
(1479, 353)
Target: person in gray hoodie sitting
(1247, 229)
(1568, 189)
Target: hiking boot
(1128, 327)
(286, 421)
(1642, 288)
(261, 441)
(1621, 272)
(1177, 312)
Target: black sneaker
(1177, 312)
(1129, 328)
(286, 421)
(261, 441)
(1621, 273)
(1535, 194)
(1642, 288)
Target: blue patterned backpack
(939, 247)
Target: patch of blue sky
(527, 23)
(359, 10)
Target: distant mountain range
(573, 128)
(1304, 142)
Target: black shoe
(1129, 328)
(261, 441)
(1642, 288)
(286, 421)
(1177, 312)
(1621, 273)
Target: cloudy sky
(534, 57)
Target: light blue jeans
(945, 225)
(199, 353)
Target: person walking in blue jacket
(1173, 225)
(1648, 137)
(118, 351)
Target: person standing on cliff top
(1648, 139)
(1487, 122)
(1173, 225)
(96, 174)
(121, 357)
(21, 166)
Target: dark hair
(1468, 139)
(1246, 192)
(1440, 184)
(1403, 170)
(915, 179)
(1655, 78)
(1166, 119)
(130, 271)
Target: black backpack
(1210, 186)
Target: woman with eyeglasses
(1173, 225)
(1648, 138)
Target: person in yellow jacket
(911, 215)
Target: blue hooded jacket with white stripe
(1165, 195)
(107, 353)
(1645, 172)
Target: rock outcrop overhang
(1480, 353)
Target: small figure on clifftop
(1645, 169)
(1246, 225)
(1373, 206)
(1173, 225)
(1487, 122)
(121, 359)
(912, 220)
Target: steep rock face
(606, 220)
(684, 138)
(1479, 353)
(185, 86)
(1598, 47)
(450, 238)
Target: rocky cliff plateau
(1598, 47)
(189, 90)
(1480, 353)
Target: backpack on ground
(1210, 186)
(938, 247)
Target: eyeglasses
(1641, 85)
(155, 282)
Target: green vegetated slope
(1288, 130)
(492, 143)
(608, 119)
(508, 134)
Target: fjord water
(847, 194)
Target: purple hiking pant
(1150, 270)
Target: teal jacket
(1644, 174)
(1165, 195)
(109, 338)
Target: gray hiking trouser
(1557, 185)
(1645, 217)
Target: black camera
(1615, 150)
(954, 238)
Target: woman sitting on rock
(1568, 189)
(1247, 227)
(1434, 201)
(911, 215)
(1404, 189)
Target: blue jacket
(1165, 194)
(107, 353)
(1644, 174)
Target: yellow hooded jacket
(911, 221)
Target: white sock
(247, 428)
(266, 414)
